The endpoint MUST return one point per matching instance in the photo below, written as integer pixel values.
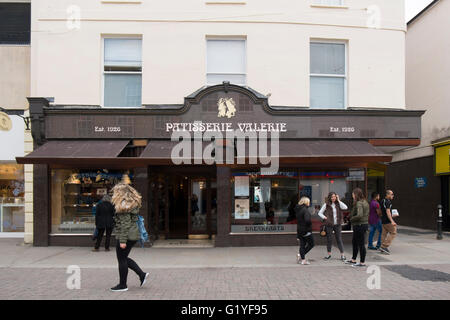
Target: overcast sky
(413, 7)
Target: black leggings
(306, 244)
(358, 241)
(100, 236)
(125, 262)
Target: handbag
(95, 234)
(323, 231)
(143, 233)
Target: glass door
(199, 207)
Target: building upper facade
(427, 75)
(14, 53)
(329, 54)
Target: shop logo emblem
(226, 107)
(5, 122)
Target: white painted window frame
(345, 76)
(108, 36)
(226, 38)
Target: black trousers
(306, 244)
(125, 262)
(358, 241)
(100, 237)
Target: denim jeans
(373, 228)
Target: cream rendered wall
(428, 76)
(67, 63)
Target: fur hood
(125, 198)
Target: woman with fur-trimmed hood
(127, 202)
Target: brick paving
(259, 283)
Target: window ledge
(121, 2)
(227, 2)
(328, 6)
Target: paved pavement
(418, 268)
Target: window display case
(76, 195)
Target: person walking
(104, 221)
(331, 213)
(359, 218)
(304, 229)
(388, 224)
(375, 221)
(127, 202)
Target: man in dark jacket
(104, 220)
(304, 229)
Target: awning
(160, 152)
(78, 151)
(290, 151)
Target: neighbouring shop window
(75, 194)
(327, 75)
(225, 61)
(264, 203)
(122, 72)
(12, 192)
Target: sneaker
(144, 279)
(306, 262)
(119, 288)
(384, 250)
(343, 258)
(350, 262)
(95, 250)
(327, 257)
(359, 265)
(298, 258)
(107, 250)
(372, 248)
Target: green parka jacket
(126, 227)
(360, 213)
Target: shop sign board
(420, 182)
(442, 159)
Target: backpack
(143, 233)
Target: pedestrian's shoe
(95, 250)
(343, 258)
(328, 257)
(372, 248)
(144, 279)
(385, 250)
(350, 262)
(107, 250)
(298, 258)
(119, 288)
(358, 265)
(306, 262)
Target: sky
(413, 7)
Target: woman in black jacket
(104, 214)
(304, 229)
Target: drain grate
(419, 274)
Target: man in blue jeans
(375, 221)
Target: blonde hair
(125, 198)
(305, 201)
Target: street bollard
(439, 223)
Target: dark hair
(359, 195)
(328, 199)
(375, 194)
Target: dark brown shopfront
(82, 151)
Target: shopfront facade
(196, 180)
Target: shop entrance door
(185, 205)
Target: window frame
(124, 37)
(226, 38)
(345, 76)
(320, 4)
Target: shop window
(265, 203)
(122, 72)
(327, 75)
(75, 194)
(12, 192)
(226, 61)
